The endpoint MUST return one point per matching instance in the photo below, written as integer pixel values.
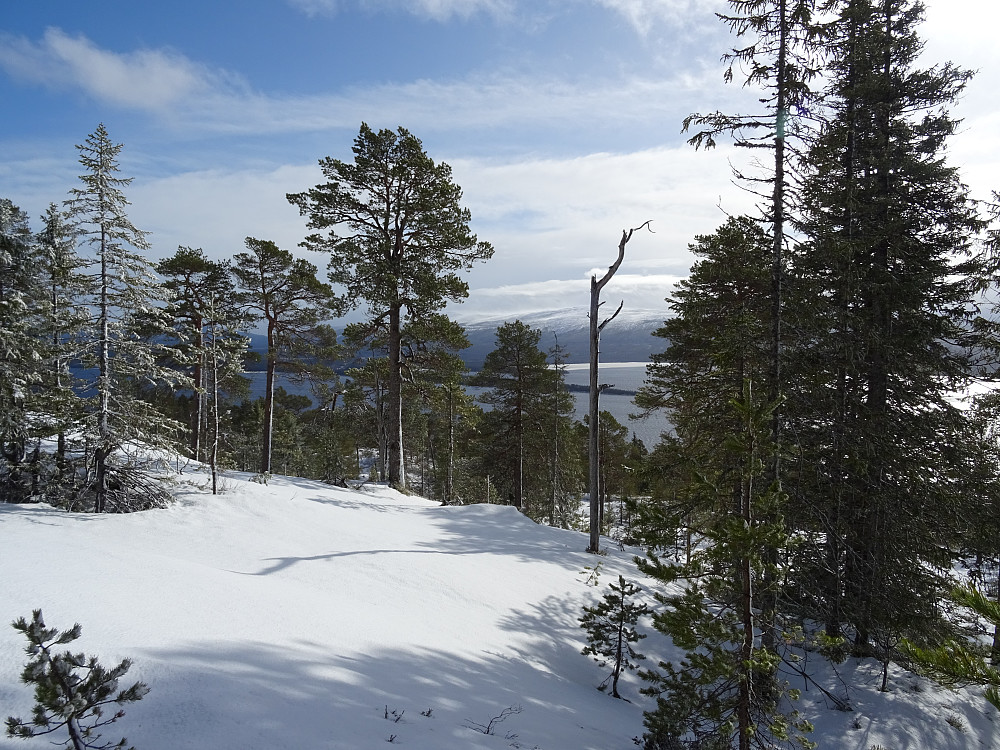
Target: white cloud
(555, 219)
(438, 10)
(643, 14)
(639, 295)
(568, 214)
(196, 99)
(216, 209)
(152, 80)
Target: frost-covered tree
(21, 351)
(63, 328)
(126, 293)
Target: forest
(829, 481)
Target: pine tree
(611, 630)
(199, 286)
(72, 691)
(398, 237)
(286, 295)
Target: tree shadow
(255, 695)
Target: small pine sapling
(71, 690)
(610, 626)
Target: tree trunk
(199, 378)
(594, 411)
(213, 458)
(595, 352)
(396, 473)
(449, 484)
(272, 356)
(104, 387)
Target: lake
(621, 375)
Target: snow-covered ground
(296, 615)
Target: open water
(626, 376)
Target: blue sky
(561, 119)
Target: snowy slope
(295, 615)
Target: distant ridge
(629, 338)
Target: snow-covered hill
(628, 338)
(296, 615)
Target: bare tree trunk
(595, 393)
(213, 457)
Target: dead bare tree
(596, 285)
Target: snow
(297, 615)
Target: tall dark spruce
(885, 286)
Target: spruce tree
(125, 300)
(21, 351)
(724, 693)
(718, 492)
(885, 286)
(64, 329)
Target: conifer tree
(718, 340)
(724, 693)
(199, 286)
(518, 386)
(285, 293)
(72, 692)
(778, 55)
(64, 330)
(21, 352)
(884, 298)
(398, 237)
(225, 346)
(126, 295)
(611, 630)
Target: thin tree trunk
(595, 400)
(594, 411)
(395, 470)
(104, 386)
(449, 484)
(265, 454)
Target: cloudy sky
(560, 118)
